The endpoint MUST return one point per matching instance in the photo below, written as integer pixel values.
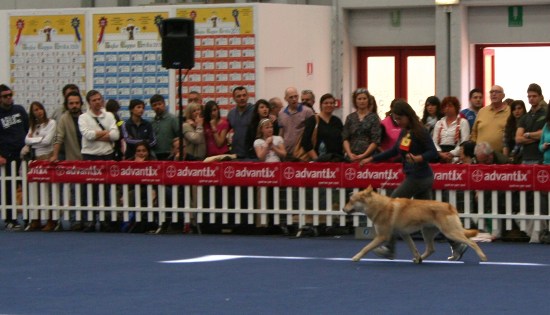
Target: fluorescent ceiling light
(446, 2)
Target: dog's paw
(417, 260)
(356, 258)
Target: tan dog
(405, 216)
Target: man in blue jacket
(14, 125)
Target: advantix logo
(515, 176)
(207, 171)
(351, 174)
(38, 170)
(148, 171)
(92, 170)
(265, 172)
(327, 173)
(452, 175)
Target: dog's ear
(369, 189)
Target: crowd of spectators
(270, 131)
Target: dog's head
(357, 201)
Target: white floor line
(213, 258)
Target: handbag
(299, 152)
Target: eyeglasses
(361, 91)
(7, 95)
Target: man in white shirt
(99, 131)
(98, 128)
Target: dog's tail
(470, 233)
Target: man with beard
(68, 135)
(68, 140)
(68, 88)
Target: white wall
(490, 25)
(373, 27)
(53, 4)
(287, 38)
(516, 79)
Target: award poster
(46, 52)
(225, 53)
(127, 58)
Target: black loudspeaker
(178, 43)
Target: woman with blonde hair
(269, 148)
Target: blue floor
(101, 273)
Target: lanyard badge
(405, 144)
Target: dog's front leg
(377, 241)
(416, 259)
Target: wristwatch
(527, 135)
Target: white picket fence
(241, 205)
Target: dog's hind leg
(416, 255)
(428, 234)
(377, 241)
(476, 248)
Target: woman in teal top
(544, 144)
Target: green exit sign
(515, 16)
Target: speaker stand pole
(180, 114)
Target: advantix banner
(334, 175)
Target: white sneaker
(13, 227)
(384, 252)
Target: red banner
(311, 175)
(250, 174)
(80, 172)
(129, 172)
(191, 173)
(503, 177)
(451, 176)
(379, 175)
(41, 171)
(541, 177)
(346, 175)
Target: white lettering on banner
(149, 171)
(453, 175)
(38, 171)
(326, 173)
(386, 175)
(88, 171)
(263, 173)
(203, 172)
(516, 176)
